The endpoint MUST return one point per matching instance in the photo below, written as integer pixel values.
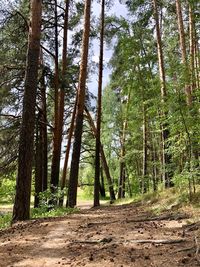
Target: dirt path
(101, 237)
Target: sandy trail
(99, 237)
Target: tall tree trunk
(98, 133)
(192, 47)
(144, 167)
(41, 159)
(55, 165)
(165, 132)
(64, 174)
(43, 129)
(62, 89)
(183, 51)
(122, 177)
(21, 210)
(38, 162)
(103, 158)
(73, 178)
(102, 187)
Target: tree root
(170, 217)
(135, 241)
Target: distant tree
(98, 132)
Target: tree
(59, 98)
(98, 132)
(21, 210)
(73, 178)
(183, 49)
(165, 131)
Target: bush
(7, 191)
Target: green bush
(7, 191)
(5, 220)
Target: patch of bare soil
(109, 236)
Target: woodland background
(141, 136)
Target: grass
(55, 212)
(36, 213)
(5, 220)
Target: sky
(118, 10)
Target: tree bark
(73, 178)
(71, 130)
(144, 167)
(43, 129)
(21, 210)
(62, 88)
(41, 157)
(183, 51)
(98, 132)
(102, 187)
(192, 48)
(38, 162)
(55, 165)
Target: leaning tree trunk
(98, 132)
(21, 210)
(73, 178)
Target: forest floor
(117, 236)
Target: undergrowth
(36, 213)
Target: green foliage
(48, 199)
(42, 212)
(5, 220)
(7, 190)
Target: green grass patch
(5, 220)
(54, 212)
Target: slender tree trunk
(183, 51)
(193, 81)
(122, 177)
(41, 160)
(62, 89)
(192, 48)
(154, 162)
(144, 167)
(102, 187)
(43, 129)
(71, 130)
(121, 186)
(73, 178)
(103, 158)
(21, 210)
(98, 132)
(55, 165)
(38, 162)
(165, 132)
